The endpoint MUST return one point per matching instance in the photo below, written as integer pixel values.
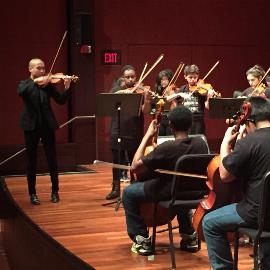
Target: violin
(220, 193)
(203, 88)
(55, 78)
(259, 90)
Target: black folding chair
(262, 233)
(186, 193)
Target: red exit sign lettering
(111, 57)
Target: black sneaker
(142, 246)
(189, 242)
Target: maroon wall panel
(28, 29)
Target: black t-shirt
(196, 102)
(250, 160)
(164, 156)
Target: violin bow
(176, 73)
(126, 167)
(145, 66)
(179, 73)
(61, 43)
(210, 70)
(147, 73)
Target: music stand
(220, 108)
(110, 104)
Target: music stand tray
(220, 108)
(108, 104)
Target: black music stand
(110, 104)
(223, 108)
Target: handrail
(63, 125)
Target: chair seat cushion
(253, 232)
(180, 204)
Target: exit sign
(111, 57)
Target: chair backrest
(202, 136)
(191, 187)
(264, 210)
(162, 139)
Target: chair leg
(154, 229)
(235, 253)
(172, 250)
(199, 243)
(256, 259)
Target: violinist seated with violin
(38, 122)
(132, 128)
(257, 88)
(247, 162)
(194, 95)
(157, 187)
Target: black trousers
(32, 139)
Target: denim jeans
(133, 196)
(215, 226)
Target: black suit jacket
(37, 106)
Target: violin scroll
(241, 116)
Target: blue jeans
(215, 225)
(133, 196)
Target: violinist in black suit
(38, 122)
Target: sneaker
(142, 246)
(189, 242)
(124, 179)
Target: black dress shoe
(55, 197)
(113, 195)
(34, 199)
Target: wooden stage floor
(96, 233)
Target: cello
(147, 209)
(220, 193)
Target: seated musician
(156, 187)
(254, 76)
(195, 101)
(249, 161)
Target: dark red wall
(200, 32)
(28, 29)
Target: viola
(220, 193)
